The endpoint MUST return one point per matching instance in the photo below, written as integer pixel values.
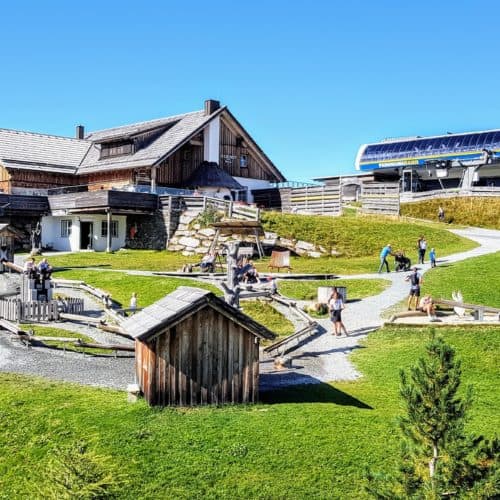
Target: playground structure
(233, 293)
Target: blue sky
(310, 80)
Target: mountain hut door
(86, 235)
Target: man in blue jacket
(387, 250)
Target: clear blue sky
(310, 80)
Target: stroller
(402, 263)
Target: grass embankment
(308, 289)
(315, 443)
(478, 279)
(149, 289)
(265, 314)
(470, 211)
(357, 239)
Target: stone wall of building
(146, 232)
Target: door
(86, 235)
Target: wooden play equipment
(280, 260)
(478, 310)
(240, 227)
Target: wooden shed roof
(239, 226)
(176, 306)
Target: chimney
(80, 131)
(211, 106)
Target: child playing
(432, 257)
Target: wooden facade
(33, 179)
(202, 351)
(380, 198)
(234, 148)
(108, 179)
(205, 359)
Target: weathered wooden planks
(204, 359)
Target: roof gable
(183, 129)
(230, 118)
(178, 305)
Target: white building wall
(252, 184)
(211, 134)
(51, 232)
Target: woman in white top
(335, 306)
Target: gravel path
(324, 358)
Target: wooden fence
(380, 198)
(322, 200)
(17, 310)
(481, 191)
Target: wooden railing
(199, 204)
(450, 193)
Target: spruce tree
(438, 460)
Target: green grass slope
(470, 211)
(478, 279)
(357, 239)
(303, 442)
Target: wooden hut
(194, 349)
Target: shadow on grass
(69, 268)
(315, 392)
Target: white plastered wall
(252, 184)
(211, 134)
(51, 232)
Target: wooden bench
(280, 260)
(477, 309)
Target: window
(114, 229)
(243, 161)
(65, 228)
(116, 149)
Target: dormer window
(118, 148)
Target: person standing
(421, 247)
(133, 303)
(441, 214)
(432, 257)
(386, 251)
(415, 280)
(335, 306)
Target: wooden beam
(108, 236)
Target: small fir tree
(438, 460)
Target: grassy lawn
(265, 314)
(301, 442)
(308, 289)
(149, 289)
(145, 260)
(357, 239)
(362, 236)
(478, 279)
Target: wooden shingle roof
(209, 174)
(178, 305)
(33, 151)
